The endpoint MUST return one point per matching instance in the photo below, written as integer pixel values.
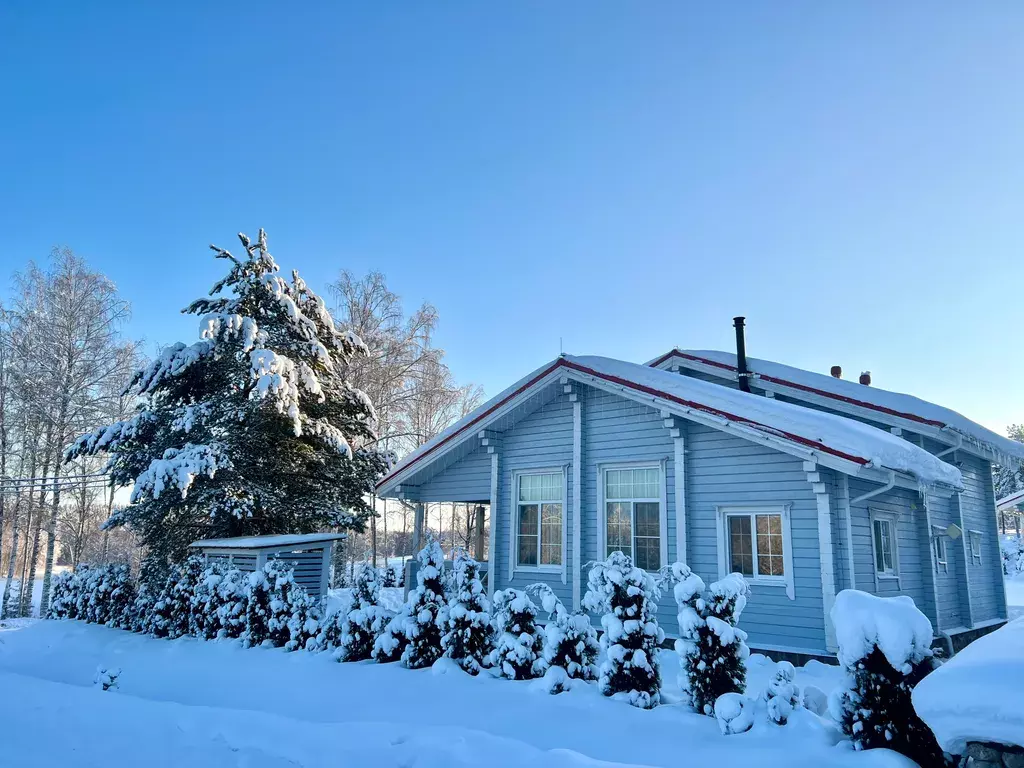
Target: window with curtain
(755, 544)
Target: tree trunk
(36, 531)
(11, 562)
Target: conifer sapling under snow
(390, 644)
(570, 642)
(364, 617)
(782, 694)
(186, 619)
(426, 606)
(628, 599)
(885, 651)
(518, 643)
(253, 429)
(467, 628)
(712, 649)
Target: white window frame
(724, 511)
(975, 536)
(893, 521)
(939, 549)
(513, 538)
(602, 507)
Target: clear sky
(624, 177)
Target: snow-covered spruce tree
(467, 628)
(205, 601)
(159, 621)
(570, 642)
(304, 622)
(121, 597)
(518, 642)
(269, 604)
(62, 597)
(426, 604)
(253, 429)
(627, 597)
(782, 695)
(229, 601)
(363, 619)
(390, 645)
(712, 649)
(185, 619)
(885, 651)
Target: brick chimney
(837, 371)
(865, 378)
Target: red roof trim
(805, 388)
(561, 363)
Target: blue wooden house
(805, 483)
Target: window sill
(537, 569)
(765, 582)
(887, 576)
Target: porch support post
(577, 497)
(478, 525)
(417, 527)
(844, 504)
(826, 555)
(492, 444)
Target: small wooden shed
(309, 554)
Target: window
(939, 547)
(755, 544)
(975, 539)
(754, 541)
(632, 499)
(883, 541)
(539, 515)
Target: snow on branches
(364, 619)
(627, 597)
(426, 605)
(467, 624)
(570, 642)
(254, 427)
(519, 644)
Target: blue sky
(624, 177)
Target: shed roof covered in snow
(268, 542)
(817, 435)
(1011, 501)
(843, 394)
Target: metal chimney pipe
(742, 373)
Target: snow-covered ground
(195, 703)
(1015, 596)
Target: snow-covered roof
(882, 401)
(267, 542)
(1008, 502)
(975, 696)
(754, 416)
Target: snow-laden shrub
(782, 695)
(362, 619)
(62, 597)
(270, 599)
(519, 643)
(570, 642)
(304, 622)
(426, 604)
(12, 609)
(120, 597)
(814, 700)
(885, 651)
(734, 712)
(159, 618)
(627, 598)
(391, 643)
(106, 678)
(1011, 548)
(185, 619)
(712, 649)
(228, 602)
(137, 616)
(467, 626)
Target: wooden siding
(465, 480)
(543, 440)
(950, 614)
(978, 506)
(724, 470)
(915, 573)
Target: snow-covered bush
(627, 598)
(734, 712)
(885, 651)
(518, 643)
(393, 575)
(782, 695)
(467, 627)
(815, 700)
(1011, 549)
(185, 620)
(426, 604)
(304, 622)
(362, 619)
(62, 597)
(158, 619)
(570, 642)
(106, 678)
(712, 649)
(390, 645)
(12, 609)
(270, 596)
(227, 604)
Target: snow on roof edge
(876, 396)
(785, 420)
(263, 542)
